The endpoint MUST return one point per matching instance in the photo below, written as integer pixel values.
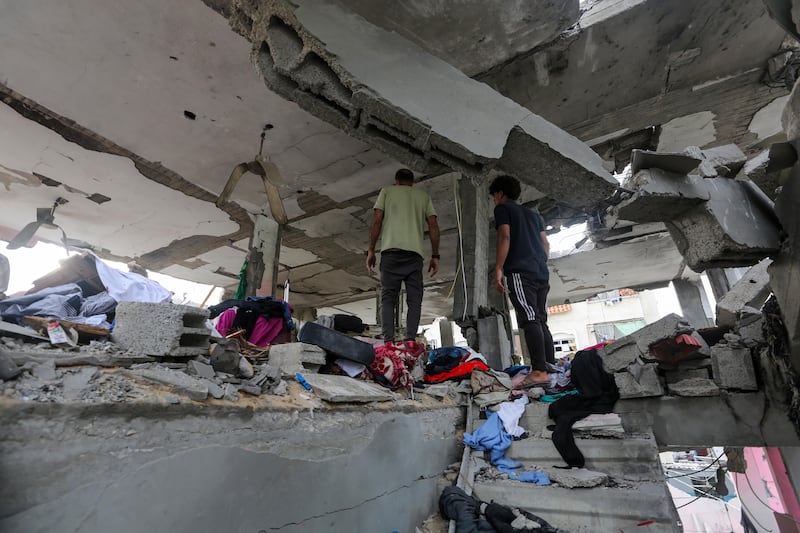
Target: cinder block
(750, 291)
(647, 384)
(694, 387)
(161, 329)
(296, 357)
(620, 354)
(733, 367)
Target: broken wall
(151, 467)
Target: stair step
(596, 510)
(632, 459)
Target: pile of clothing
(452, 363)
(265, 320)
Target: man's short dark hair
(404, 176)
(507, 185)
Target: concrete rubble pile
(167, 346)
(693, 192)
(671, 358)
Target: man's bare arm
(501, 253)
(545, 243)
(433, 233)
(374, 233)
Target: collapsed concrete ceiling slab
(157, 102)
(387, 91)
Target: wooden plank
(40, 323)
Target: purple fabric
(265, 331)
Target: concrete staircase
(634, 494)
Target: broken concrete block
(45, 371)
(648, 383)
(674, 376)
(722, 161)
(231, 392)
(344, 389)
(8, 368)
(689, 365)
(576, 477)
(161, 329)
(75, 382)
(177, 381)
(213, 389)
(710, 236)
(607, 425)
(733, 367)
(750, 291)
(196, 368)
(771, 168)
(785, 270)
(333, 65)
(246, 370)
(296, 357)
(660, 196)
(790, 118)
(224, 356)
(667, 327)
(694, 387)
(671, 162)
(620, 354)
(749, 326)
(267, 378)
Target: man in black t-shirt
(522, 251)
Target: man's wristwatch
(435, 256)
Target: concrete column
(694, 302)
(446, 332)
(494, 342)
(722, 279)
(474, 215)
(264, 256)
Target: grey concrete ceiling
(151, 104)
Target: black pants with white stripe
(529, 297)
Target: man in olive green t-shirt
(400, 213)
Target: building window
(564, 344)
(610, 331)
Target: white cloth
(351, 368)
(510, 413)
(130, 287)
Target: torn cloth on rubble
(130, 287)
(474, 516)
(491, 436)
(394, 362)
(65, 302)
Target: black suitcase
(336, 343)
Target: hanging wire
(460, 246)
(712, 463)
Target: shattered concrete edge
(345, 71)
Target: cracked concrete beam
(383, 89)
(660, 196)
(715, 222)
(734, 228)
